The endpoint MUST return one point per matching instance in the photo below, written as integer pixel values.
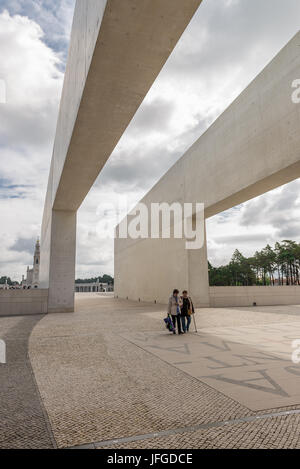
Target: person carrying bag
(174, 310)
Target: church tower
(36, 265)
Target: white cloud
(27, 128)
(53, 16)
(226, 45)
(272, 217)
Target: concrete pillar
(62, 262)
(198, 278)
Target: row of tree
(105, 279)
(270, 266)
(4, 280)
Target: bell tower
(36, 265)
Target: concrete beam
(113, 62)
(253, 147)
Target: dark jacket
(186, 306)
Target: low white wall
(246, 296)
(22, 302)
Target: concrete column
(198, 278)
(62, 262)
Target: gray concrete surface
(22, 302)
(251, 148)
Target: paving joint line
(190, 429)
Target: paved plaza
(111, 376)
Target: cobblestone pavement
(98, 386)
(275, 433)
(23, 421)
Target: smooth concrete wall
(151, 285)
(222, 297)
(156, 267)
(23, 302)
(117, 49)
(253, 147)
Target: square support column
(198, 275)
(58, 255)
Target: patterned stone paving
(23, 422)
(105, 387)
(251, 364)
(100, 385)
(99, 380)
(276, 433)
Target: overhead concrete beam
(253, 147)
(117, 49)
(113, 62)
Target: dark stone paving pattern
(23, 421)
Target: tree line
(8, 280)
(105, 279)
(270, 266)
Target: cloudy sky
(226, 45)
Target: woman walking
(175, 311)
(187, 310)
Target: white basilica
(32, 277)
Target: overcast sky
(226, 45)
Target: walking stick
(195, 323)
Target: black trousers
(178, 320)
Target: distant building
(32, 277)
(96, 287)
